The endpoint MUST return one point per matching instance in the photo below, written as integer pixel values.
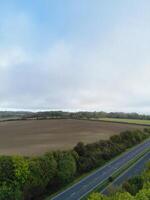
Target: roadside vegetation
(31, 177)
(136, 188)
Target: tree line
(28, 178)
(84, 115)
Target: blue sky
(75, 55)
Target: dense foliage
(14, 172)
(136, 188)
(95, 154)
(29, 178)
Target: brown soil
(34, 137)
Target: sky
(75, 55)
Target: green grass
(130, 121)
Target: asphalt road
(86, 185)
(132, 171)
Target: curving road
(86, 185)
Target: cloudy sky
(75, 55)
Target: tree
(80, 149)
(42, 171)
(66, 167)
(133, 185)
(14, 172)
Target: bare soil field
(34, 137)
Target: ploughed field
(34, 137)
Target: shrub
(42, 170)
(21, 170)
(13, 175)
(7, 169)
(10, 192)
(66, 167)
(133, 185)
(143, 195)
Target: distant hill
(10, 115)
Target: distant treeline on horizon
(71, 115)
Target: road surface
(132, 171)
(86, 185)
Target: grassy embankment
(129, 121)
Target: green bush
(7, 170)
(143, 195)
(10, 192)
(14, 172)
(21, 170)
(133, 185)
(42, 171)
(66, 167)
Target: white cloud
(112, 74)
(12, 56)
